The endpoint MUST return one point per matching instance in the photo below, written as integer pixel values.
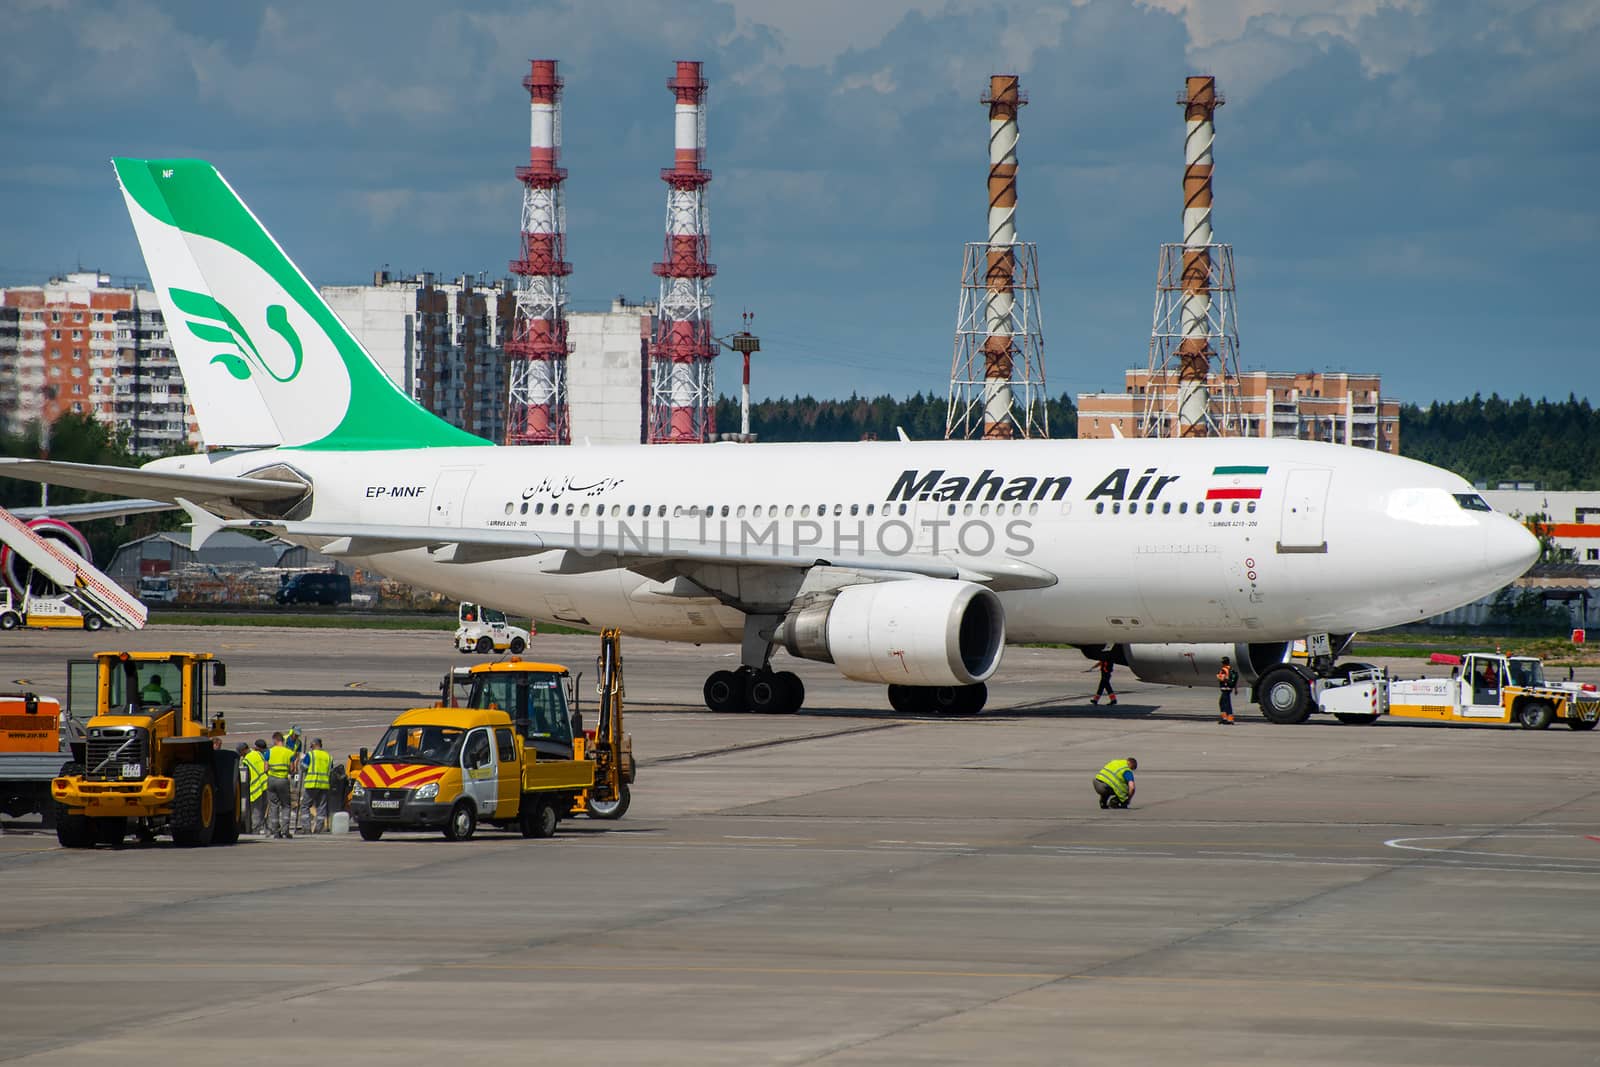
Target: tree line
(1555, 443)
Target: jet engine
(1185, 664)
(17, 572)
(912, 632)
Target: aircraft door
(1305, 501)
(449, 494)
(479, 771)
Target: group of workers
(1227, 682)
(268, 775)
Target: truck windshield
(143, 686)
(1527, 672)
(420, 744)
(534, 700)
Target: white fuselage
(1197, 540)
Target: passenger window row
(1182, 508)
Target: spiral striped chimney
(682, 404)
(1200, 102)
(999, 349)
(536, 411)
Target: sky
(1401, 180)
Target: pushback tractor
(1483, 688)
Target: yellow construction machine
(147, 761)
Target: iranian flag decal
(1236, 483)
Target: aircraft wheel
(1285, 697)
(767, 693)
(724, 691)
(795, 690)
(957, 699)
(909, 699)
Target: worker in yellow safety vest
(255, 767)
(280, 804)
(1114, 783)
(314, 789)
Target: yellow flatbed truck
(1484, 687)
(452, 769)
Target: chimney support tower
(536, 409)
(682, 393)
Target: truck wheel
(1353, 719)
(1285, 697)
(194, 805)
(93, 622)
(539, 817)
(611, 809)
(1535, 715)
(484, 646)
(1579, 724)
(463, 821)
(517, 645)
(9, 621)
(370, 832)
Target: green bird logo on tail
(245, 357)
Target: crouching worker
(1114, 783)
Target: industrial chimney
(682, 396)
(536, 408)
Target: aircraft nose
(1509, 549)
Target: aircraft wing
(156, 485)
(100, 509)
(451, 544)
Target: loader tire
(110, 830)
(611, 809)
(194, 805)
(73, 831)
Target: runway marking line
(1204, 980)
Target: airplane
(906, 564)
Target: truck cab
(450, 769)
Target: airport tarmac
(842, 886)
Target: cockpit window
(1472, 502)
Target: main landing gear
(938, 699)
(764, 691)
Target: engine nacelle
(16, 571)
(915, 631)
(1184, 664)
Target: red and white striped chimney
(536, 411)
(682, 397)
(1200, 101)
(999, 348)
